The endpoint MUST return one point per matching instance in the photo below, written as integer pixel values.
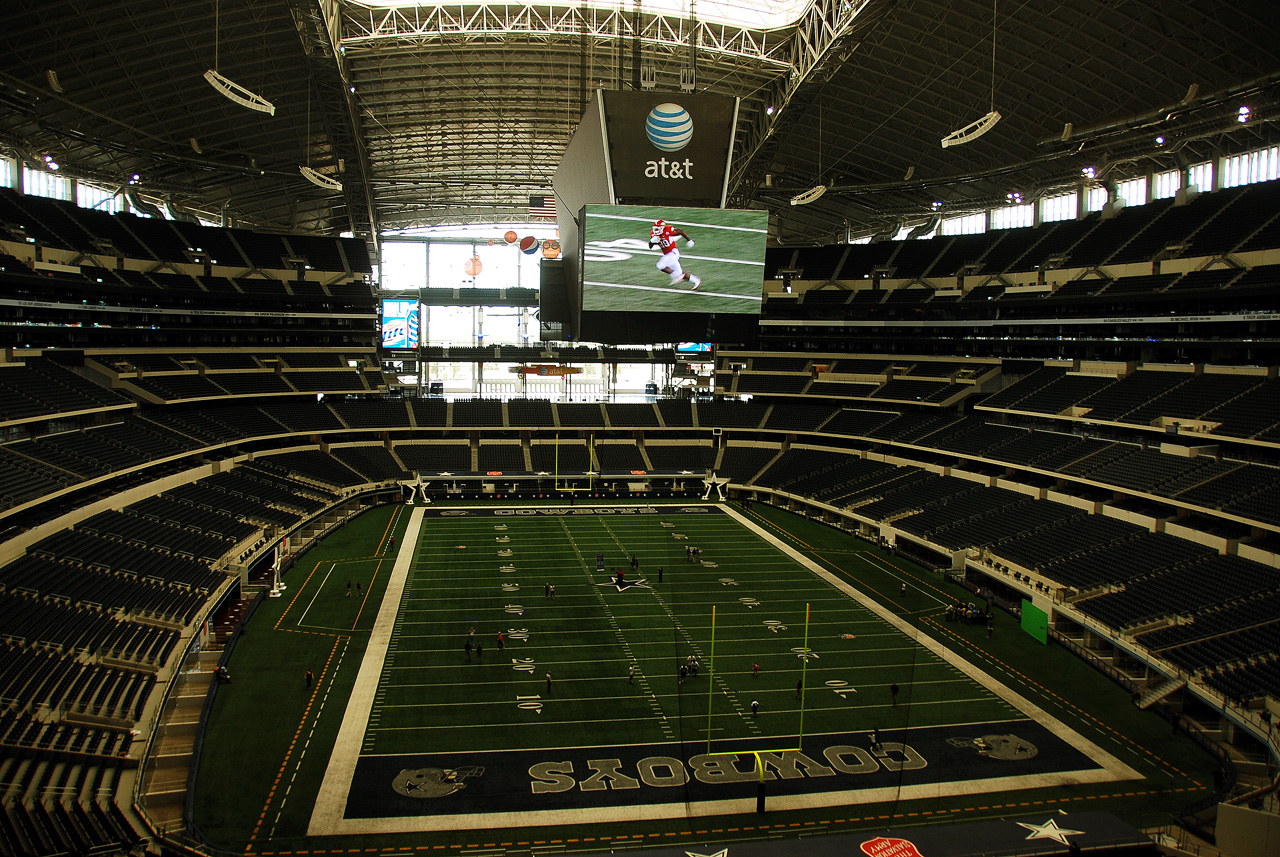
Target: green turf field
(490, 756)
(619, 273)
(590, 633)
(578, 619)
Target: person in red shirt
(664, 236)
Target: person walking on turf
(309, 678)
(631, 674)
(501, 641)
(799, 688)
(893, 692)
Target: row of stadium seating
(1235, 220)
(33, 468)
(64, 225)
(1129, 576)
(1240, 279)
(52, 806)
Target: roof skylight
(751, 14)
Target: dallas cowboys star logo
(620, 585)
(1050, 830)
(723, 852)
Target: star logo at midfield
(1050, 830)
(620, 585)
(723, 852)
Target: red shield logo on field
(883, 846)
(638, 472)
(494, 473)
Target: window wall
(45, 183)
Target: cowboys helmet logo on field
(1004, 747)
(433, 782)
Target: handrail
(188, 806)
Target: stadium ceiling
(453, 113)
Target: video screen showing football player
(664, 236)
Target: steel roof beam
(367, 29)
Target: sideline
(331, 800)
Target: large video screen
(400, 323)
(715, 263)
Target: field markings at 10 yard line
(464, 758)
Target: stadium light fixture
(813, 194)
(1244, 114)
(320, 179)
(972, 131)
(978, 127)
(238, 94)
(317, 178)
(229, 88)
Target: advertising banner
(667, 146)
(400, 323)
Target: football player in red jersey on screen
(664, 236)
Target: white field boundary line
(331, 800)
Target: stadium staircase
(1159, 691)
(164, 789)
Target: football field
(581, 714)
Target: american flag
(542, 206)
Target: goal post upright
(804, 675)
(567, 488)
(711, 659)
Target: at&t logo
(669, 128)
